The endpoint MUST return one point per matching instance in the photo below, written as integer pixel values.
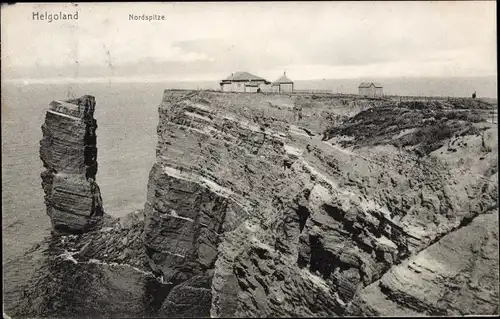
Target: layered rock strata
(250, 213)
(69, 154)
(458, 275)
(276, 205)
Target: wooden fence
(434, 98)
(313, 91)
(494, 116)
(421, 98)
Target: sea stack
(69, 154)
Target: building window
(239, 84)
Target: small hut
(282, 85)
(243, 82)
(370, 89)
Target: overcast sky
(207, 41)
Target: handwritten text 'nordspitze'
(49, 17)
(145, 17)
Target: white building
(244, 82)
(370, 89)
(282, 85)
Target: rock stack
(69, 154)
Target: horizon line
(155, 79)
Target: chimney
(284, 73)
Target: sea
(127, 117)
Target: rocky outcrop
(101, 273)
(251, 212)
(456, 276)
(273, 205)
(69, 154)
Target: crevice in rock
(155, 294)
(321, 260)
(303, 213)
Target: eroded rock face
(458, 276)
(69, 154)
(250, 213)
(102, 273)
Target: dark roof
(283, 80)
(368, 84)
(243, 76)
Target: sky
(208, 41)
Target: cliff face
(250, 213)
(276, 205)
(457, 275)
(69, 154)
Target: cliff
(278, 205)
(69, 154)
(252, 211)
(457, 275)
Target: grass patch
(431, 127)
